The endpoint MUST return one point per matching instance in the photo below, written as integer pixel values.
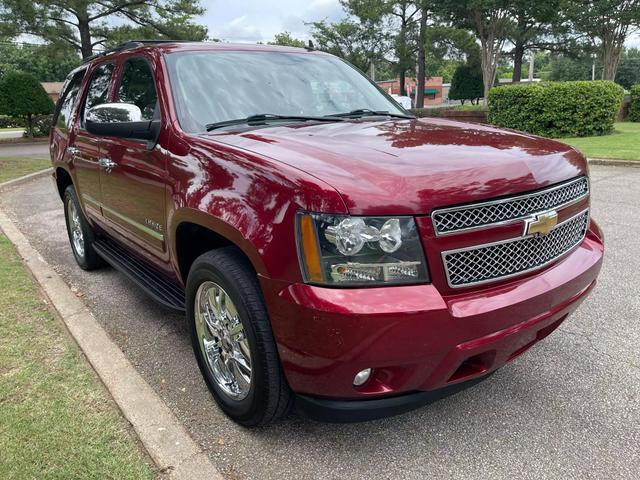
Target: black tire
(87, 259)
(269, 397)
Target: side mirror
(121, 120)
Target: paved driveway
(569, 408)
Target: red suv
(328, 248)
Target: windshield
(210, 87)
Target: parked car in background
(403, 100)
(327, 248)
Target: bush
(41, 125)
(557, 109)
(467, 83)
(22, 96)
(634, 107)
(10, 122)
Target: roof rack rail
(128, 45)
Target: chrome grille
(477, 215)
(505, 259)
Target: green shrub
(10, 122)
(557, 109)
(634, 107)
(466, 83)
(22, 96)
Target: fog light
(361, 377)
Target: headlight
(350, 251)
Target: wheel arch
(195, 233)
(63, 180)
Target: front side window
(67, 101)
(138, 87)
(98, 91)
(211, 86)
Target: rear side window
(138, 87)
(98, 87)
(64, 110)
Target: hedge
(557, 109)
(634, 107)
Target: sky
(250, 21)
(259, 20)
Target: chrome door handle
(73, 151)
(107, 164)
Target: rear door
(64, 116)
(86, 146)
(133, 191)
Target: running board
(148, 279)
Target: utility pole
(593, 71)
(373, 71)
(531, 66)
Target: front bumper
(414, 338)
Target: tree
(85, 24)
(467, 83)
(362, 44)
(421, 75)
(629, 69)
(45, 62)
(491, 22)
(608, 24)
(21, 95)
(286, 40)
(534, 26)
(402, 16)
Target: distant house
(432, 89)
(53, 89)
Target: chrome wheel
(222, 340)
(75, 229)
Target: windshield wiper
(366, 112)
(267, 117)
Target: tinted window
(99, 87)
(138, 87)
(212, 87)
(67, 100)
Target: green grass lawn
(56, 419)
(623, 144)
(14, 167)
(12, 129)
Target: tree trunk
(86, 49)
(403, 79)
(29, 126)
(611, 54)
(518, 55)
(421, 60)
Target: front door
(133, 189)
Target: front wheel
(232, 338)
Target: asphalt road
(35, 149)
(568, 408)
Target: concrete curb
(25, 178)
(165, 439)
(613, 163)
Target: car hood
(413, 166)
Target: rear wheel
(232, 339)
(81, 236)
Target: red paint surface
(247, 186)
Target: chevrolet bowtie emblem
(541, 224)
